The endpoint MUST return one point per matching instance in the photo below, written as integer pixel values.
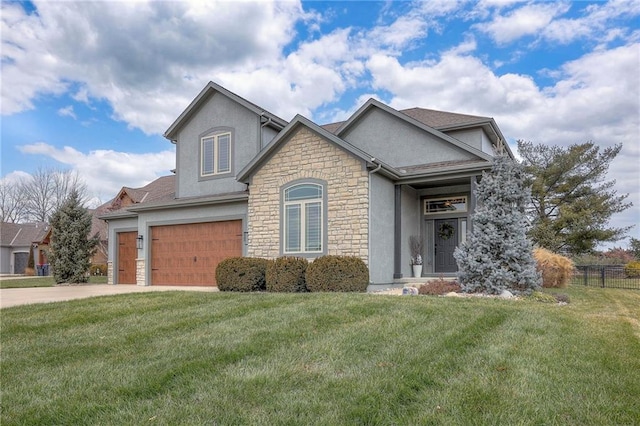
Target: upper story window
(215, 154)
(445, 205)
(303, 220)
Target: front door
(446, 240)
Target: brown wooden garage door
(127, 253)
(188, 254)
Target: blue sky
(92, 86)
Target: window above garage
(216, 151)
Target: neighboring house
(161, 188)
(249, 183)
(16, 239)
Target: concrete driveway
(25, 296)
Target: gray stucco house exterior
(248, 183)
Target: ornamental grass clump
(632, 269)
(556, 270)
(287, 274)
(497, 256)
(337, 273)
(241, 274)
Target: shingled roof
(431, 117)
(161, 188)
(443, 119)
(22, 234)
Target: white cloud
(67, 112)
(525, 20)
(106, 171)
(135, 55)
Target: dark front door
(446, 239)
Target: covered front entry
(189, 254)
(446, 238)
(127, 253)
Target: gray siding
(381, 230)
(472, 137)
(5, 260)
(218, 111)
(398, 143)
(410, 225)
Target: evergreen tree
(498, 255)
(571, 202)
(71, 247)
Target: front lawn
(220, 358)
(47, 281)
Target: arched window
(303, 219)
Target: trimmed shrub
(556, 270)
(632, 269)
(439, 287)
(241, 274)
(286, 274)
(337, 273)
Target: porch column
(397, 241)
(473, 201)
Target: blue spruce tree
(498, 255)
(71, 246)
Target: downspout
(371, 172)
(262, 125)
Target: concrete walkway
(25, 296)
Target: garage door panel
(189, 254)
(127, 253)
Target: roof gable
(289, 130)
(204, 95)
(353, 121)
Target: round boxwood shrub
(241, 274)
(286, 274)
(337, 273)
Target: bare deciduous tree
(11, 205)
(47, 189)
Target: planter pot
(417, 271)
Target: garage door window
(303, 218)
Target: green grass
(47, 281)
(328, 359)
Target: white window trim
(216, 154)
(427, 200)
(303, 228)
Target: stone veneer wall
(110, 272)
(140, 272)
(307, 155)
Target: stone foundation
(140, 272)
(110, 273)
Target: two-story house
(249, 183)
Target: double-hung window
(303, 218)
(215, 154)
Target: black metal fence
(605, 276)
